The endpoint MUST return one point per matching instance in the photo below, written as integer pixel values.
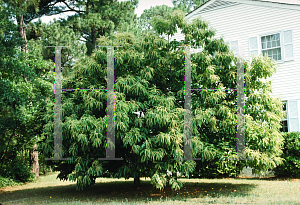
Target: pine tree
(22, 92)
(98, 18)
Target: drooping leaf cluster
(149, 77)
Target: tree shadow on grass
(125, 191)
(272, 178)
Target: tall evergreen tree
(18, 8)
(22, 90)
(99, 18)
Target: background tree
(18, 8)
(91, 19)
(163, 12)
(188, 5)
(148, 14)
(94, 18)
(22, 93)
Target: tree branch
(60, 12)
(37, 15)
(71, 8)
(25, 79)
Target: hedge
(291, 155)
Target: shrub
(220, 167)
(4, 182)
(215, 169)
(291, 156)
(21, 172)
(18, 170)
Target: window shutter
(293, 116)
(253, 47)
(288, 45)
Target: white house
(259, 27)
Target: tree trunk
(44, 171)
(91, 41)
(34, 161)
(93, 37)
(22, 30)
(137, 182)
(93, 180)
(34, 156)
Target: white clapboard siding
(243, 21)
(247, 20)
(234, 46)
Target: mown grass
(49, 190)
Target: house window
(278, 46)
(233, 45)
(271, 46)
(284, 122)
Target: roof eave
(251, 2)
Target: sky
(143, 4)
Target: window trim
(281, 43)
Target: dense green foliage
(146, 17)
(188, 5)
(18, 169)
(4, 182)
(99, 18)
(149, 73)
(25, 87)
(217, 168)
(149, 77)
(214, 67)
(291, 156)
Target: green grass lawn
(49, 190)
